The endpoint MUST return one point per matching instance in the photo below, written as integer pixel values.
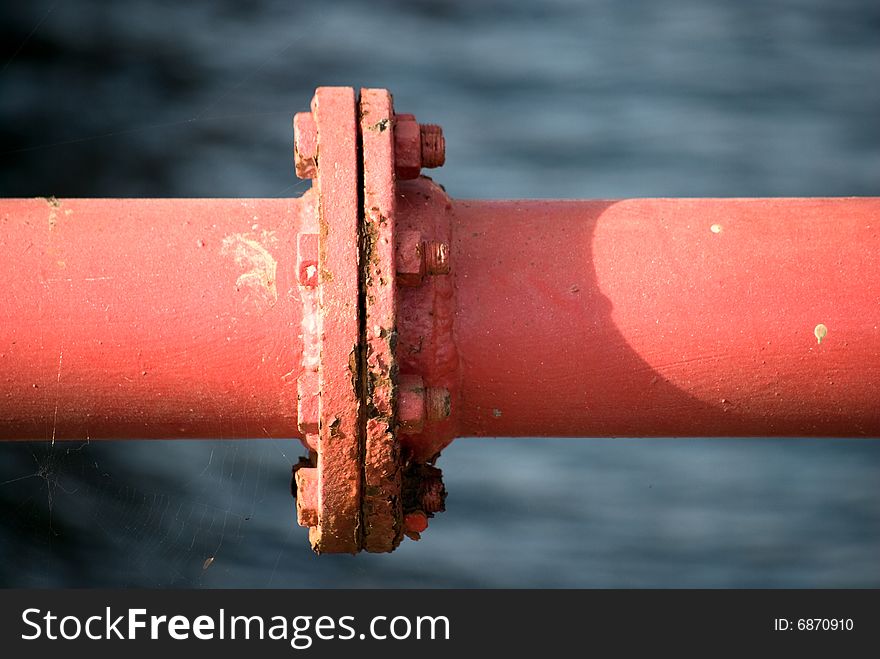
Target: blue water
(550, 99)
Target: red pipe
(143, 318)
(180, 318)
(665, 317)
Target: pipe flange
(359, 489)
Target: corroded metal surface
(382, 511)
(339, 442)
(353, 405)
(350, 262)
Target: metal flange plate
(352, 492)
(339, 443)
(382, 501)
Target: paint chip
(821, 332)
(715, 228)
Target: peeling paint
(54, 205)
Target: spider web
(133, 513)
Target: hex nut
(410, 258)
(407, 147)
(411, 411)
(307, 408)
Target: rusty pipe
(377, 319)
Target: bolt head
(407, 147)
(307, 406)
(411, 410)
(307, 496)
(305, 145)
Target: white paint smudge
(251, 253)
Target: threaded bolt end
(436, 258)
(437, 403)
(433, 145)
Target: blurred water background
(538, 99)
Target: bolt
(433, 145)
(416, 257)
(302, 463)
(432, 494)
(417, 403)
(416, 146)
(436, 258)
(308, 387)
(438, 404)
(305, 145)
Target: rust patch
(353, 367)
(381, 504)
(54, 205)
